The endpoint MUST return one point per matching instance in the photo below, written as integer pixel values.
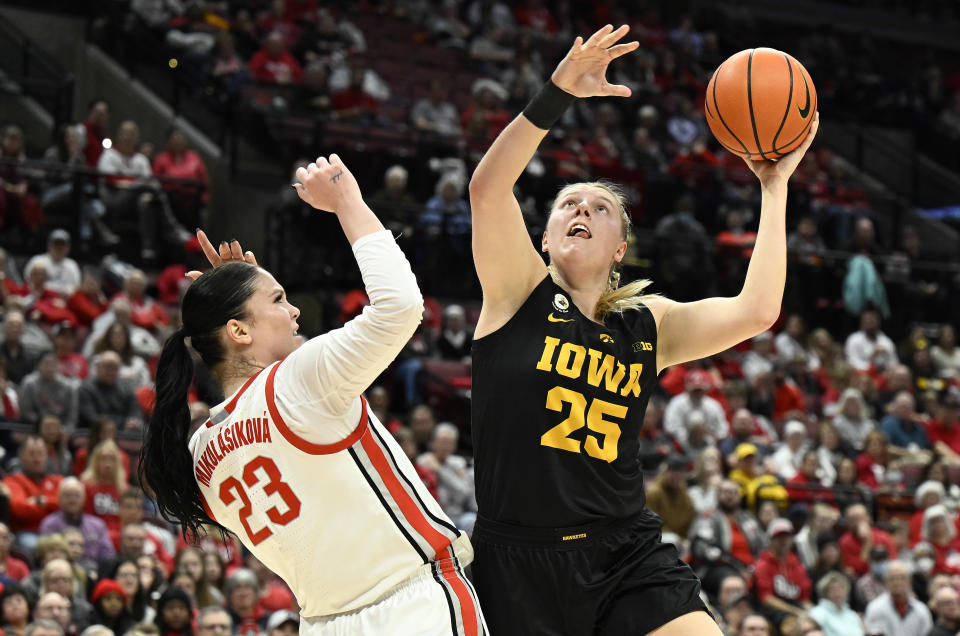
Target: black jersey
(558, 401)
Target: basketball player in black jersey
(564, 361)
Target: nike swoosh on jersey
(553, 318)
(806, 109)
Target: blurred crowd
(104, 182)
(811, 476)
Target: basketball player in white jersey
(294, 462)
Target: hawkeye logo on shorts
(560, 303)
(571, 537)
(606, 338)
(553, 318)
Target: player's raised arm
(690, 331)
(507, 263)
(336, 367)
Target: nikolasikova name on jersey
(231, 437)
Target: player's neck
(584, 292)
(233, 375)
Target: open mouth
(579, 230)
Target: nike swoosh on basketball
(806, 109)
(553, 318)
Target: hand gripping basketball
(327, 184)
(781, 169)
(583, 72)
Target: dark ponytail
(166, 465)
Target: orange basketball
(760, 103)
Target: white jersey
(299, 468)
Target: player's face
(273, 321)
(585, 231)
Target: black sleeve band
(548, 106)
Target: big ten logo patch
(640, 345)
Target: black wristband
(548, 106)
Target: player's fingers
(814, 127)
(236, 252)
(193, 274)
(617, 90)
(208, 249)
(312, 168)
(622, 49)
(301, 174)
(593, 39)
(300, 191)
(249, 257)
(322, 162)
(335, 160)
(613, 37)
(224, 251)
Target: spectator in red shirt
(486, 112)
(940, 531)
(353, 103)
(70, 364)
(96, 127)
(273, 64)
(10, 566)
(788, 399)
(535, 15)
(274, 594)
(781, 581)
(860, 536)
(280, 18)
(155, 538)
(105, 480)
(944, 432)
(88, 301)
(17, 206)
(180, 162)
(145, 312)
(806, 485)
(734, 245)
(872, 464)
(241, 591)
(726, 540)
(33, 494)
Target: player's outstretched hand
(327, 184)
(583, 72)
(227, 253)
(783, 167)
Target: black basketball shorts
(606, 578)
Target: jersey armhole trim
(206, 506)
(499, 331)
(302, 444)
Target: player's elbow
(482, 188)
(477, 185)
(409, 309)
(759, 315)
(766, 317)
